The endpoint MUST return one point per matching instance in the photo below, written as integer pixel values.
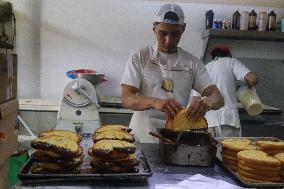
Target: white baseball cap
(170, 13)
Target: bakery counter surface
(162, 174)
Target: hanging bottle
(236, 20)
(252, 20)
(271, 23)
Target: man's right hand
(170, 106)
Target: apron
(142, 122)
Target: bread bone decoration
(114, 135)
(107, 147)
(113, 128)
(65, 133)
(181, 122)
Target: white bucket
(250, 101)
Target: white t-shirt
(144, 72)
(224, 72)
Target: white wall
(28, 14)
(56, 36)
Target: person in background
(224, 71)
(158, 79)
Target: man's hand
(169, 106)
(197, 108)
(251, 79)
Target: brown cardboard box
(9, 127)
(4, 175)
(8, 77)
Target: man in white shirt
(158, 79)
(224, 71)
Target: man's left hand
(197, 108)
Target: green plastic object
(15, 164)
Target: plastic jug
(250, 100)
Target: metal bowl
(94, 78)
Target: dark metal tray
(86, 175)
(234, 175)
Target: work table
(162, 174)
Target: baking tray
(144, 171)
(233, 173)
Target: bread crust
(258, 157)
(246, 179)
(181, 122)
(112, 148)
(113, 128)
(270, 145)
(62, 145)
(280, 158)
(259, 177)
(229, 157)
(260, 172)
(236, 145)
(65, 133)
(113, 135)
(259, 167)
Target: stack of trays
(57, 151)
(113, 150)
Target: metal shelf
(244, 35)
(248, 35)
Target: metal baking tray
(145, 171)
(233, 173)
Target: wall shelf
(248, 35)
(244, 35)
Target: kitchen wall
(56, 36)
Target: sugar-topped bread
(62, 145)
(265, 144)
(65, 133)
(105, 147)
(258, 157)
(236, 144)
(113, 128)
(113, 135)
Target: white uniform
(224, 71)
(145, 70)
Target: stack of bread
(271, 147)
(113, 150)
(57, 151)
(257, 166)
(280, 158)
(181, 122)
(230, 149)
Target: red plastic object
(85, 71)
